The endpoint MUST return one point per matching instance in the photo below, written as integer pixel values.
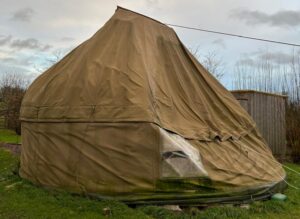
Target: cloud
(283, 18)
(18, 60)
(219, 42)
(30, 43)
(152, 3)
(15, 64)
(24, 15)
(8, 60)
(5, 39)
(67, 39)
(274, 58)
(45, 47)
(245, 62)
(277, 57)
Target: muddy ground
(14, 148)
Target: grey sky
(283, 18)
(32, 31)
(23, 14)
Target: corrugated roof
(261, 92)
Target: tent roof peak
(134, 12)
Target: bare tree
(53, 58)
(211, 61)
(12, 90)
(269, 75)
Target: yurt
(131, 115)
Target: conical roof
(136, 69)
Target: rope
(235, 35)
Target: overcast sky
(32, 31)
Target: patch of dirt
(13, 148)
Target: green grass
(21, 199)
(9, 136)
(261, 209)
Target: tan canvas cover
(106, 118)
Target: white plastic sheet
(180, 158)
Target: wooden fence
(268, 111)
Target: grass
(6, 135)
(9, 136)
(21, 199)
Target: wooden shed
(268, 111)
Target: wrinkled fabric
(106, 118)
(94, 157)
(136, 69)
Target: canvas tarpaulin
(102, 121)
